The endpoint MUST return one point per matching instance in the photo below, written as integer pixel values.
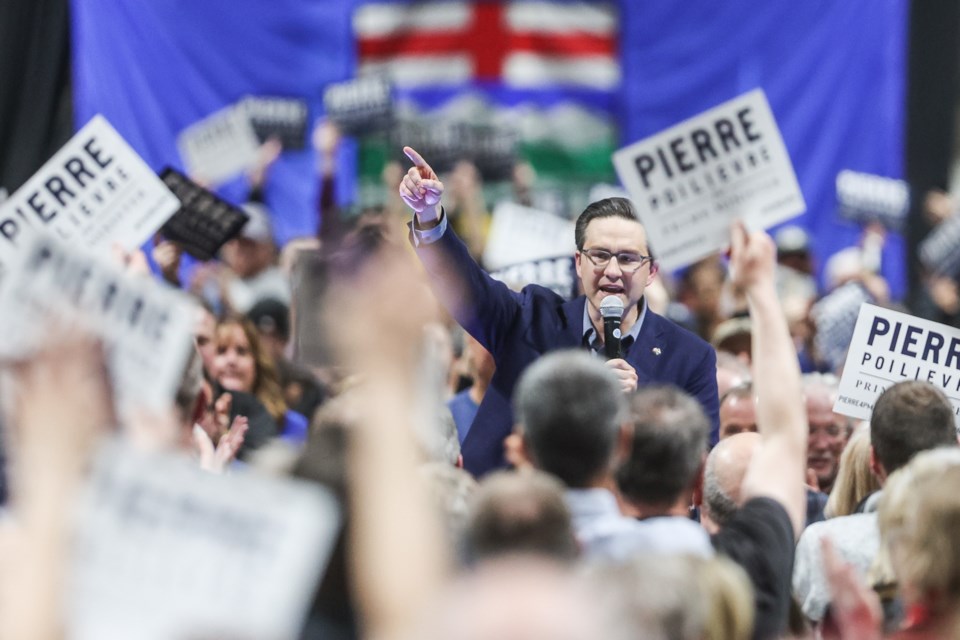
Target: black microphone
(611, 308)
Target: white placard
(147, 328)
(220, 146)
(95, 192)
(557, 274)
(521, 234)
(889, 347)
(164, 550)
(691, 181)
(940, 250)
(865, 197)
(835, 316)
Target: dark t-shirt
(759, 538)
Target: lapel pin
(656, 351)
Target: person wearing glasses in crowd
(612, 259)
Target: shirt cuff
(428, 236)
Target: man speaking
(613, 261)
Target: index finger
(415, 158)
(738, 236)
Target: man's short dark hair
(570, 408)
(910, 417)
(670, 434)
(606, 208)
(520, 513)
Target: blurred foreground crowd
(619, 516)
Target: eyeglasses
(627, 261)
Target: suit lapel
(646, 355)
(571, 323)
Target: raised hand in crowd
(326, 141)
(167, 256)
(62, 405)
(133, 262)
(854, 608)
(216, 458)
(380, 344)
(778, 469)
(267, 154)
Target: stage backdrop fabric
(834, 73)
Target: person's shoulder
(676, 534)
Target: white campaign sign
(889, 347)
(164, 550)
(691, 181)
(521, 234)
(95, 192)
(147, 328)
(220, 146)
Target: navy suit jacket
(517, 328)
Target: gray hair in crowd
(451, 491)
(520, 512)
(658, 597)
(670, 435)
(719, 504)
(570, 408)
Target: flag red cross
(486, 40)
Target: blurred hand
(133, 262)
(267, 154)
(854, 608)
(421, 188)
(216, 458)
(753, 257)
(167, 255)
(626, 374)
(326, 138)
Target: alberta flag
(548, 70)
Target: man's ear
(577, 257)
(876, 467)
(698, 483)
(516, 451)
(654, 270)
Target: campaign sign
(220, 146)
(493, 149)
(281, 118)
(691, 181)
(205, 222)
(164, 550)
(521, 234)
(835, 316)
(94, 192)
(865, 197)
(557, 274)
(147, 328)
(888, 347)
(940, 250)
(360, 106)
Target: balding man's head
(726, 467)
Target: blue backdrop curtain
(153, 68)
(834, 73)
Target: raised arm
(777, 468)
(484, 307)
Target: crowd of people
(499, 477)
